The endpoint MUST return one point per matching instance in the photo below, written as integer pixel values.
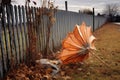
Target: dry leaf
(67, 78)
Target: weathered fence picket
(17, 34)
(16, 22)
(9, 31)
(5, 39)
(24, 26)
(15, 41)
(3, 67)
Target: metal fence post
(66, 6)
(93, 19)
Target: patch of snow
(117, 23)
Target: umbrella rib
(72, 57)
(80, 33)
(75, 45)
(100, 59)
(78, 52)
(77, 55)
(85, 31)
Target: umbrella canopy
(77, 45)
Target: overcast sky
(75, 5)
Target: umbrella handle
(52, 63)
(100, 59)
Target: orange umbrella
(76, 48)
(77, 45)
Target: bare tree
(87, 11)
(111, 9)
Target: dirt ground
(108, 49)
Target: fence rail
(14, 24)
